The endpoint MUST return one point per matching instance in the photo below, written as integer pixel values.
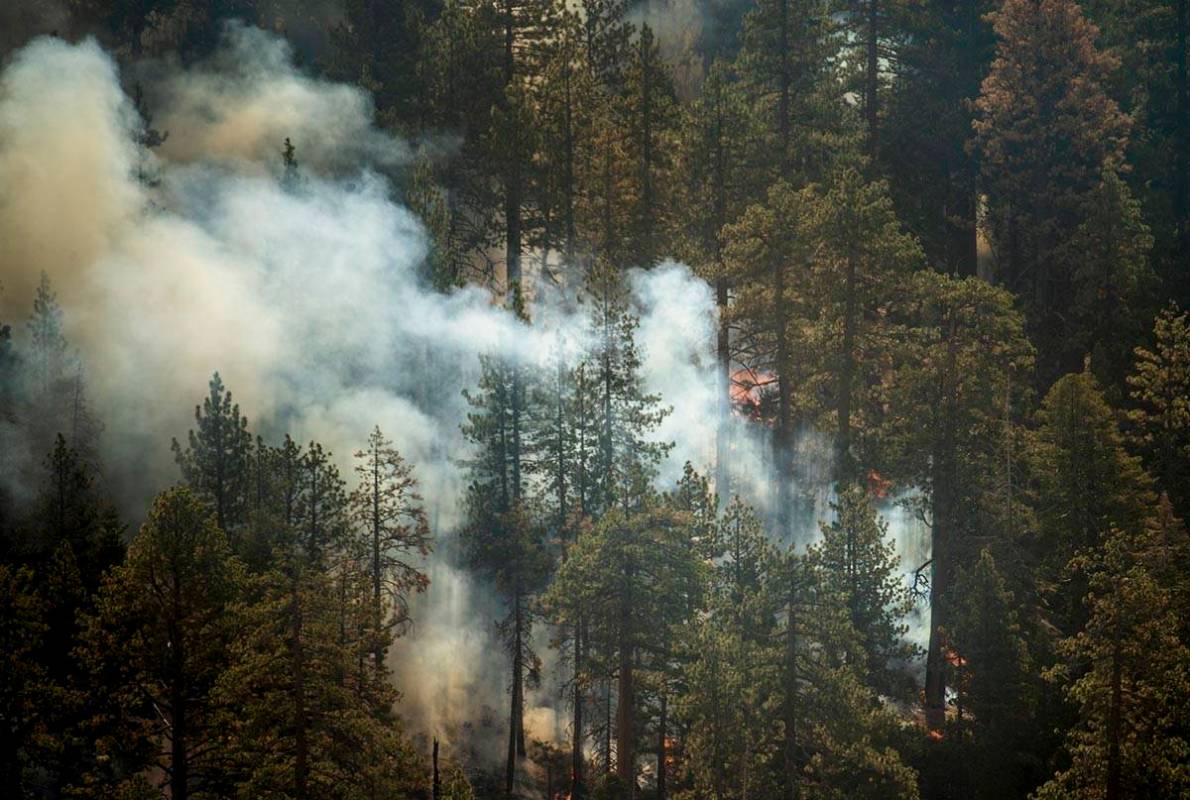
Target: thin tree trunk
(437, 784)
(790, 710)
(179, 777)
(662, 750)
(843, 464)
(941, 511)
(1114, 716)
(1182, 166)
(576, 744)
(872, 81)
(376, 583)
(625, 755)
(298, 696)
(516, 730)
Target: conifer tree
(961, 358)
(1088, 484)
(715, 178)
(1126, 673)
(860, 255)
(943, 52)
(630, 575)
(650, 111)
(163, 618)
(1046, 132)
(1160, 383)
(215, 462)
(996, 684)
(503, 541)
(858, 563)
(388, 511)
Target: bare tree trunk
(301, 723)
(625, 754)
(516, 719)
(872, 81)
(941, 539)
(437, 784)
(662, 749)
(576, 744)
(847, 373)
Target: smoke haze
(304, 292)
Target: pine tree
(1126, 673)
(163, 619)
(996, 684)
(1110, 282)
(715, 178)
(625, 456)
(859, 564)
(631, 576)
(502, 540)
(71, 510)
(651, 115)
(392, 522)
(860, 256)
(1046, 134)
(830, 725)
(943, 53)
(767, 263)
(961, 372)
(215, 462)
(1160, 384)
(1087, 484)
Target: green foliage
(215, 462)
(1125, 672)
(1087, 485)
(859, 565)
(1160, 384)
(1047, 133)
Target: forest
(594, 399)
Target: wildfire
(878, 485)
(749, 392)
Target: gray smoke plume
(304, 292)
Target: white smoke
(302, 291)
(305, 293)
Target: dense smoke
(302, 289)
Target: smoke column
(304, 294)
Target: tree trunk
(662, 750)
(872, 81)
(376, 583)
(723, 339)
(298, 695)
(576, 743)
(942, 480)
(516, 730)
(625, 754)
(179, 778)
(843, 463)
(1114, 716)
(437, 784)
(790, 710)
(783, 435)
(1182, 166)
